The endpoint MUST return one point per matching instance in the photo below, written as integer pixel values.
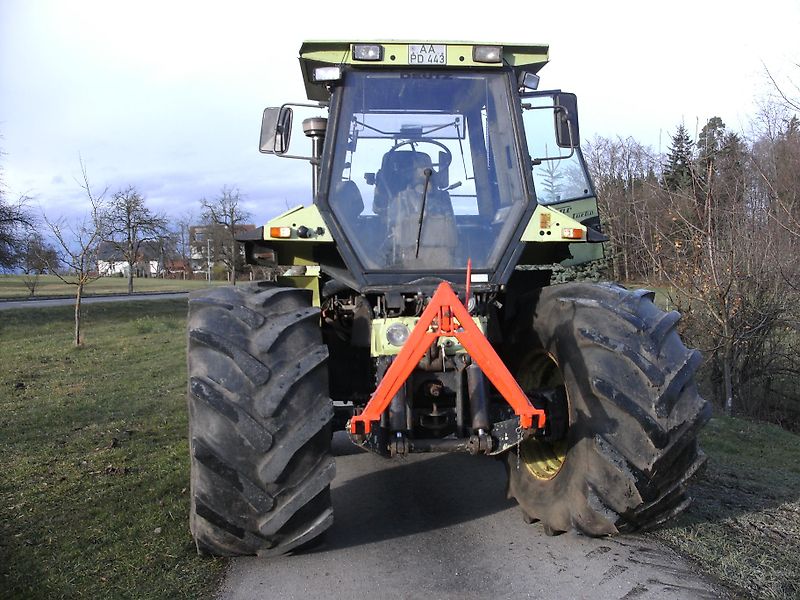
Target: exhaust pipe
(314, 128)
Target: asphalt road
(44, 302)
(439, 526)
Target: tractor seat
(438, 237)
(398, 171)
(348, 200)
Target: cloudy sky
(167, 95)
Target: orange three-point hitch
(446, 316)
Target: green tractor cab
(415, 310)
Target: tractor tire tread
(259, 421)
(632, 385)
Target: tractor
(414, 310)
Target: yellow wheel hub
(542, 459)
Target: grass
(13, 286)
(744, 525)
(93, 491)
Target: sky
(167, 96)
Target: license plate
(427, 54)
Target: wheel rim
(543, 460)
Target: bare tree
(725, 242)
(34, 257)
(182, 242)
(624, 173)
(15, 220)
(226, 216)
(725, 271)
(76, 249)
(131, 227)
(790, 101)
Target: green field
(13, 286)
(93, 492)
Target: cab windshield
(425, 174)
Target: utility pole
(208, 258)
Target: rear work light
(570, 233)
(280, 232)
(487, 54)
(367, 52)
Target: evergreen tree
(729, 169)
(711, 140)
(710, 147)
(678, 169)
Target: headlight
(397, 334)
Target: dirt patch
(743, 527)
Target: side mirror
(566, 120)
(276, 129)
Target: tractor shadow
(380, 499)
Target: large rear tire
(259, 421)
(634, 410)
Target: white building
(111, 262)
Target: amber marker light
(280, 232)
(572, 233)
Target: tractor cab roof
(523, 58)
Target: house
(111, 262)
(205, 245)
(177, 268)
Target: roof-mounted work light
(367, 52)
(487, 54)
(323, 74)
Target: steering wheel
(382, 193)
(444, 164)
